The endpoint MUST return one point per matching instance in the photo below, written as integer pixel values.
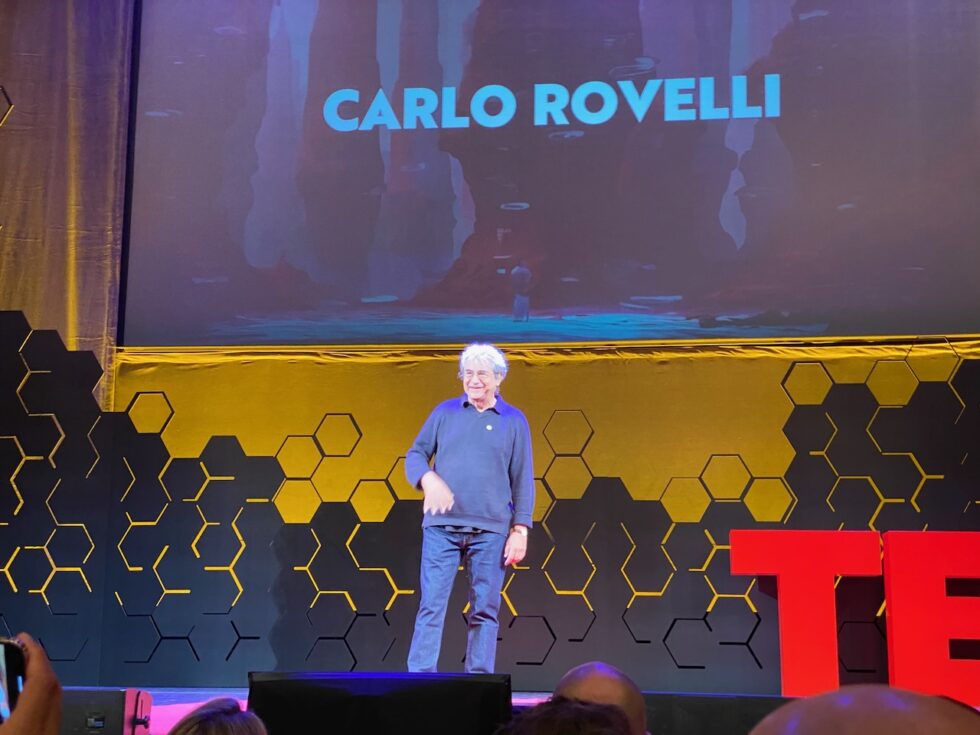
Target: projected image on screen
(436, 171)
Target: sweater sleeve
(418, 457)
(522, 475)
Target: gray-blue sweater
(485, 458)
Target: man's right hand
(438, 498)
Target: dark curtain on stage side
(65, 68)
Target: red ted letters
(921, 617)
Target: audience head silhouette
(869, 709)
(605, 684)
(562, 716)
(220, 717)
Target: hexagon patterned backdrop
(248, 511)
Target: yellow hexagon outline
(936, 362)
(296, 489)
(585, 552)
(892, 382)
(316, 586)
(58, 524)
(882, 500)
(328, 494)
(560, 472)
(678, 499)
(807, 383)
(559, 429)
(134, 524)
(351, 421)
(923, 475)
(715, 594)
(147, 420)
(719, 493)
(395, 591)
(24, 459)
(364, 506)
(54, 419)
(5, 569)
(622, 570)
(230, 567)
(762, 483)
(707, 560)
(54, 569)
(299, 462)
(164, 590)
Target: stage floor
(169, 705)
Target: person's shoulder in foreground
(563, 716)
(870, 709)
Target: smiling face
(480, 382)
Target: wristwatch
(522, 530)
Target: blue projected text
(592, 103)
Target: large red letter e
(805, 564)
(922, 619)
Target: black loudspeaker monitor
(375, 704)
(105, 711)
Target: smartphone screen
(11, 677)
(4, 699)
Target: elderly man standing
(478, 499)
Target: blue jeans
(482, 555)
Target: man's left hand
(515, 549)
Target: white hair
(484, 354)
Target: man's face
(480, 382)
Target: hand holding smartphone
(30, 691)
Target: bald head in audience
(869, 709)
(604, 684)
